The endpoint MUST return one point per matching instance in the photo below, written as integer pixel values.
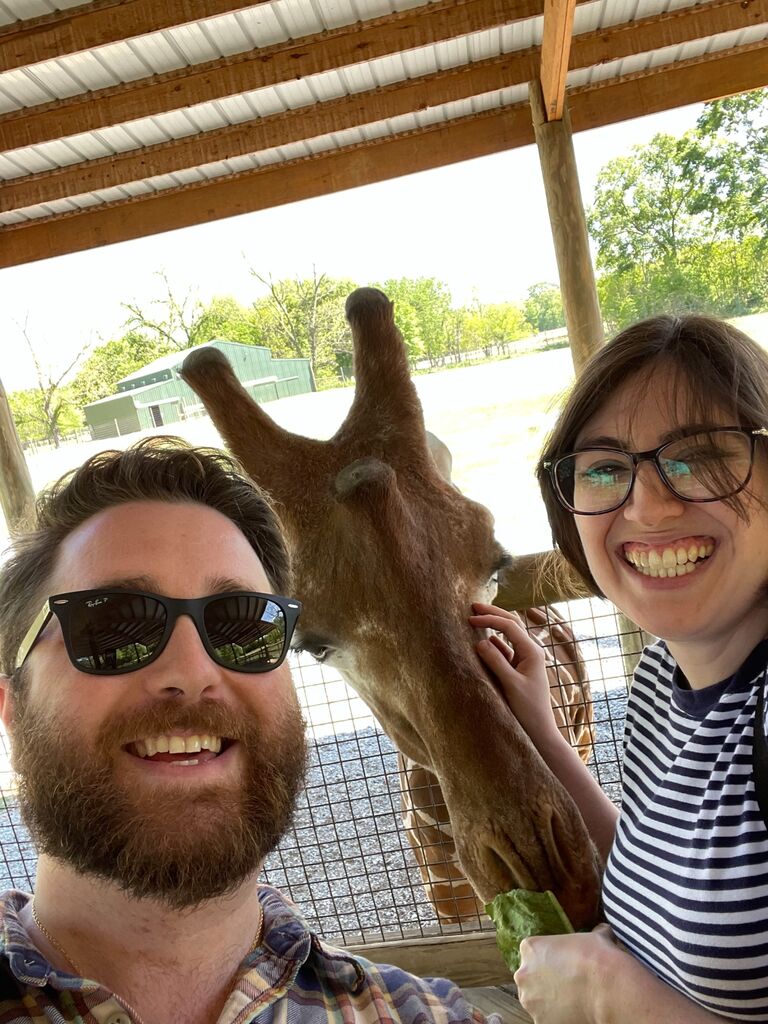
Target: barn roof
(122, 118)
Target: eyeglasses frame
(175, 607)
(652, 455)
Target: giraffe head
(388, 557)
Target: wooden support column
(569, 229)
(17, 496)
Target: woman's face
(721, 597)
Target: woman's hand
(519, 665)
(589, 979)
(561, 978)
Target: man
(160, 748)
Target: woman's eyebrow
(603, 441)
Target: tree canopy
(681, 223)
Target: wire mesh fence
(349, 862)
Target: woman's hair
(156, 469)
(710, 364)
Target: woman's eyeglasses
(707, 465)
(108, 632)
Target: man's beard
(177, 845)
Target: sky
(480, 226)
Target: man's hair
(155, 469)
(712, 365)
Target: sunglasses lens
(115, 632)
(245, 632)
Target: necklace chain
(124, 1003)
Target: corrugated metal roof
(319, 89)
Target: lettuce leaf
(521, 913)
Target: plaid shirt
(292, 977)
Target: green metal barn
(156, 395)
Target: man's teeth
(672, 561)
(152, 745)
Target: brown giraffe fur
(388, 557)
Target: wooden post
(17, 495)
(577, 277)
(569, 229)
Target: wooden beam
(555, 54)
(648, 92)
(270, 186)
(671, 29)
(568, 222)
(266, 133)
(266, 66)
(468, 960)
(694, 81)
(96, 24)
(17, 496)
(280, 129)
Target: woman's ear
(6, 702)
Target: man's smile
(178, 749)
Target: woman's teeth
(672, 561)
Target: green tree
(735, 132)
(304, 317)
(51, 412)
(181, 322)
(648, 205)
(543, 307)
(109, 363)
(424, 316)
(41, 416)
(493, 326)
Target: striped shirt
(686, 884)
(291, 977)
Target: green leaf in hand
(519, 914)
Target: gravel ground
(347, 863)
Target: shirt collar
(287, 942)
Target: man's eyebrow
(213, 585)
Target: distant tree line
(301, 317)
(681, 224)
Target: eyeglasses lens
(701, 467)
(710, 465)
(115, 632)
(245, 631)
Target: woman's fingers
(524, 646)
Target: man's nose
(184, 669)
(651, 501)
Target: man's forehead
(162, 547)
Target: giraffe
(388, 556)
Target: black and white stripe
(686, 885)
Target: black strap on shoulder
(760, 753)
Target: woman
(655, 480)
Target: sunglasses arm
(34, 631)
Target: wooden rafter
(648, 92)
(266, 133)
(96, 24)
(555, 54)
(364, 108)
(266, 66)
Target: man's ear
(6, 701)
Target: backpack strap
(760, 753)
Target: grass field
(492, 416)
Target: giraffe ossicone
(388, 557)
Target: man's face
(181, 828)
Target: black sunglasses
(108, 632)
